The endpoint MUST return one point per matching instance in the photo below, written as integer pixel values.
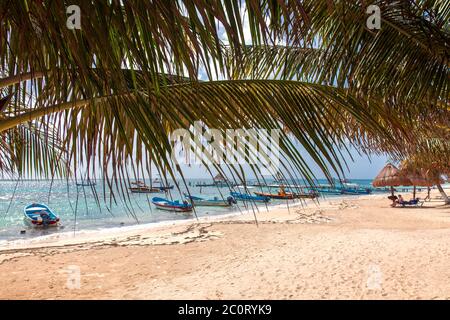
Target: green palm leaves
(114, 90)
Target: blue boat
(247, 197)
(326, 190)
(38, 214)
(356, 191)
(164, 204)
(165, 188)
(158, 183)
(215, 202)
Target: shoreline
(67, 237)
(345, 248)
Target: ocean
(85, 208)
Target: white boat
(215, 202)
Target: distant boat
(218, 181)
(310, 195)
(354, 188)
(141, 187)
(177, 206)
(356, 191)
(288, 195)
(330, 191)
(164, 188)
(215, 202)
(247, 197)
(245, 187)
(285, 196)
(161, 186)
(38, 214)
(86, 184)
(326, 190)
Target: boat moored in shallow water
(247, 197)
(38, 214)
(288, 195)
(141, 187)
(356, 191)
(215, 202)
(168, 205)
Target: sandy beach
(354, 248)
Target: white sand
(344, 249)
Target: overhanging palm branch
(314, 114)
(31, 150)
(91, 99)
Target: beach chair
(413, 203)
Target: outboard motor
(231, 200)
(45, 219)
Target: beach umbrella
(390, 176)
(219, 178)
(425, 179)
(421, 178)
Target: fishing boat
(281, 196)
(86, 183)
(141, 187)
(177, 206)
(310, 195)
(160, 185)
(288, 195)
(38, 214)
(247, 197)
(215, 202)
(356, 191)
(326, 189)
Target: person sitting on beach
(400, 199)
(394, 199)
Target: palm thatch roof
(219, 178)
(422, 179)
(390, 176)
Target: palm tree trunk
(444, 195)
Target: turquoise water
(81, 208)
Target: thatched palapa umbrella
(219, 178)
(422, 179)
(390, 176)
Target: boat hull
(216, 202)
(39, 215)
(287, 196)
(210, 203)
(356, 192)
(164, 204)
(166, 188)
(171, 208)
(306, 195)
(246, 197)
(144, 190)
